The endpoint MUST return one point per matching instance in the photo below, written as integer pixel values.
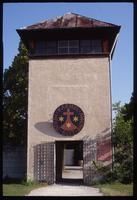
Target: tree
(123, 141)
(127, 110)
(15, 85)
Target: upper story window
(51, 47)
(68, 47)
(63, 47)
(40, 48)
(96, 46)
(90, 46)
(85, 46)
(73, 46)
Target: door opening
(69, 161)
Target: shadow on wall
(47, 128)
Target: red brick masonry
(104, 150)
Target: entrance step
(73, 167)
(72, 172)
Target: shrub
(105, 173)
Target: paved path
(66, 190)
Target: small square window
(85, 46)
(96, 46)
(40, 47)
(73, 50)
(51, 44)
(73, 43)
(63, 50)
(63, 43)
(85, 43)
(51, 51)
(86, 49)
(51, 48)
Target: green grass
(20, 189)
(116, 189)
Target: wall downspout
(110, 58)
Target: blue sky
(16, 15)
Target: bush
(123, 142)
(104, 173)
(124, 172)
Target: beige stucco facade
(84, 82)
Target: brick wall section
(98, 149)
(14, 162)
(104, 150)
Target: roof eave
(67, 28)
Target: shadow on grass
(12, 181)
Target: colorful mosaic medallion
(68, 119)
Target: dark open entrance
(69, 161)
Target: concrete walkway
(66, 190)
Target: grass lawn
(116, 189)
(19, 189)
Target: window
(51, 47)
(90, 46)
(96, 46)
(62, 46)
(85, 46)
(68, 46)
(40, 48)
(73, 46)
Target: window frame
(38, 50)
(46, 50)
(43, 51)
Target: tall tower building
(69, 100)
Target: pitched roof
(69, 20)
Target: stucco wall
(52, 82)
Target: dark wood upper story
(70, 35)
